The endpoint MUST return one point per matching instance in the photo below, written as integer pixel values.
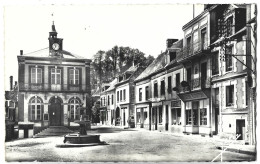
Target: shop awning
(195, 95)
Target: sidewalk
(231, 146)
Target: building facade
(125, 95)
(195, 90)
(232, 71)
(53, 84)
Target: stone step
(53, 131)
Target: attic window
(172, 56)
(127, 75)
(120, 78)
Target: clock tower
(55, 44)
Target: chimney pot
(11, 83)
(21, 52)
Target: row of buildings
(202, 84)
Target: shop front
(142, 116)
(156, 115)
(176, 120)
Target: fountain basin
(81, 139)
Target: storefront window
(154, 115)
(176, 116)
(160, 114)
(188, 117)
(195, 106)
(145, 115)
(138, 116)
(203, 116)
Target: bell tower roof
(53, 33)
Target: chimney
(21, 52)
(169, 42)
(11, 83)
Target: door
(124, 117)
(216, 120)
(117, 116)
(167, 116)
(55, 112)
(240, 129)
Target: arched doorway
(117, 116)
(55, 111)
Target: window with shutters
(155, 89)
(147, 92)
(140, 94)
(230, 95)
(117, 96)
(169, 84)
(74, 76)
(55, 76)
(228, 59)
(124, 94)
(120, 95)
(215, 63)
(162, 87)
(36, 75)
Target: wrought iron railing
(193, 49)
(52, 87)
(197, 83)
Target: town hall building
(53, 84)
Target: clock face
(55, 46)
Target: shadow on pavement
(109, 130)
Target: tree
(108, 64)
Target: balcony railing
(193, 49)
(52, 87)
(195, 84)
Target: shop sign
(176, 103)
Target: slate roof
(157, 64)
(45, 53)
(112, 85)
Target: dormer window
(127, 75)
(172, 56)
(120, 78)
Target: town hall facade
(53, 84)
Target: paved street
(122, 145)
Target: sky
(88, 28)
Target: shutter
(49, 77)
(80, 79)
(61, 78)
(42, 75)
(68, 77)
(29, 112)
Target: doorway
(117, 116)
(55, 112)
(240, 129)
(167, 116)
(216, 120)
